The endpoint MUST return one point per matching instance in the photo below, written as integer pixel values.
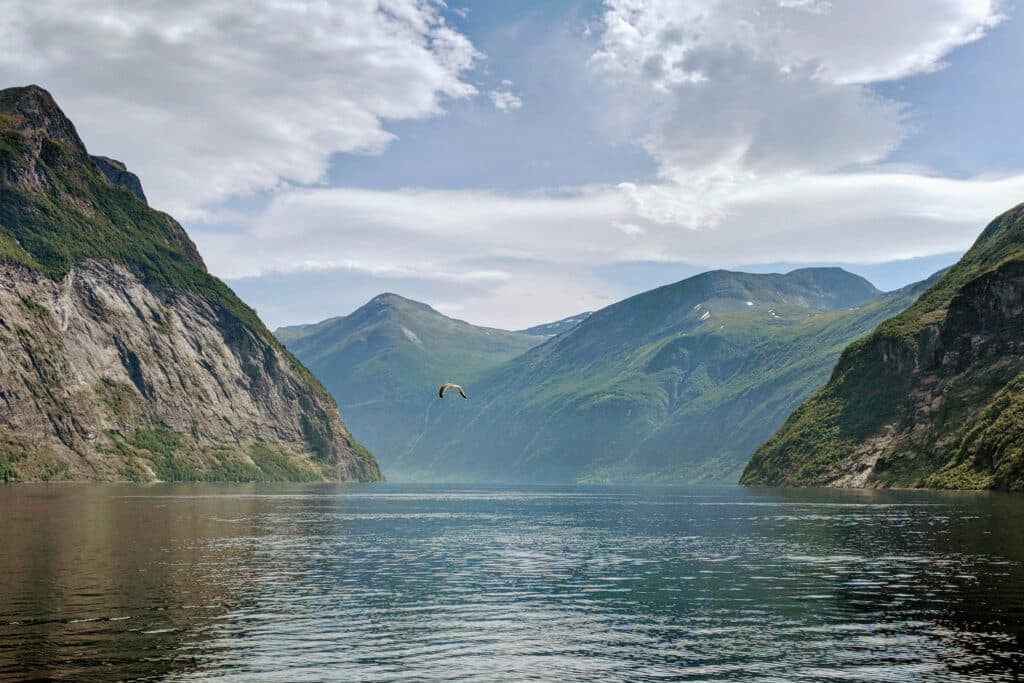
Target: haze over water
(394, 582)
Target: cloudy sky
(515, 162)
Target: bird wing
(445, 387)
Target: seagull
(454, 387)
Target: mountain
(123, 358)
(680, 383)
(932, 398)
(385, 361)
(557, 327)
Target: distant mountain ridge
(384, 362)
(933, 397)
(681, 383)
(123, 358)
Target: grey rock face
(121, 357)
(91, 359)
(119, 174)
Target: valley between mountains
(125, 359)
(678, 384)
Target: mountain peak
(389, 301)
(840, 287)
(37, 116)
(829, 274)
(34, 129)
(822, 289)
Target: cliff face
(122, 358)
(119, 174)
(933, 398)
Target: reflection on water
(400, 582)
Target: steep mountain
(934, 397)
(384, 362)
(680, 383)
(122, 357)
(557, 327)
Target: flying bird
(453, 387)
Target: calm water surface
(246, 583)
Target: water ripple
(477, 583)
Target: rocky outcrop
(119, 174)
(122, 357)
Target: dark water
(390, 582)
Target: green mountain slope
(557, 327)
(123, 357)
(932, 398)
(384, 362)
(677, 384)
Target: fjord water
(388, 582)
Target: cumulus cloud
(505, 100)
(723, 94)
(207, 99)
(849, 41)
(761, 116)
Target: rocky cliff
(122, 357)
(119, 174)
(933, 398)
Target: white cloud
(723, 94)
(761, 116)
(631, 229)
(431, 233)
(849, 41)
(210, 99)
(532, 257)
(849, 217)
(812, 6)
(505, 100)
(421, 233)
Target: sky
(514, 162)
